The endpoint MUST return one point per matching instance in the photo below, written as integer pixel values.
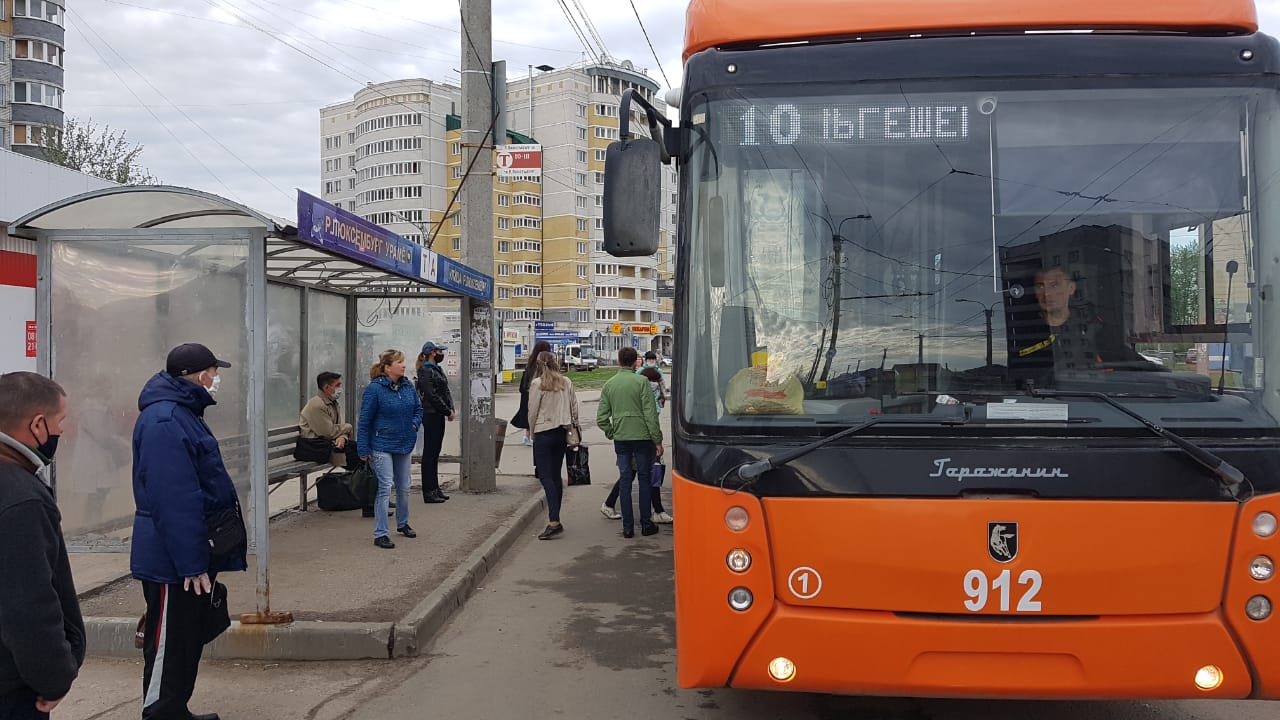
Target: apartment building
(32, 42)
(394, 155)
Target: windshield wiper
(1227, 474)
(753, 470)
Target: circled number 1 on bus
(979, 588)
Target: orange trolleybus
(974, 303)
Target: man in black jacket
(41, 631)
(437, 406)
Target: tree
(1186, 266)
(98, 151)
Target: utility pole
(478, 132)
(988, 309)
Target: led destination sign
(884, 124)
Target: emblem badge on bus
(1002, 541)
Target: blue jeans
(391, 470)
(635, 457)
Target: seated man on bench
(321, 419)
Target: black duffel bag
(334, 492)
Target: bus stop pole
(256, 381)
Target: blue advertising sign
(453, 275)
(543, 325)
(351, 236)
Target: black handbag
(215, 617)
(227, 535)
(577, 459)
(316, 450)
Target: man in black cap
(179, 480)
(437, 406)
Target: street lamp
(987, 309)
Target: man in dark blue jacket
(178, 480)
(41, 631)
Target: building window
(527, 199)
(457, 172)
(38, 9)
(582, 250)
(39, 50)
(606, 133)
(582, 133)
(504, 293)
(582, 109)
(582, 201)
(528, 246)
(456, 219)
(606, 269)
(584, 293)
(600, 155)
(455, 148)
(584, 316)
(582, 225)
(504, 246)
(582, 156)
(37, 94)
(580, 178)
(606, 314)
(504, 270)
(457, 244)
(528, 269)
(582, 269)
(504, 223)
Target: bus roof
(719, 23)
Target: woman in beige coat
(553, 419)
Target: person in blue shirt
(179, 480)
(390, 416)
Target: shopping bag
(658, 472)
(577, 459)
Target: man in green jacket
(628, 415)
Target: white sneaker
(609, 512)
(664, 518)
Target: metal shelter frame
(175, 216)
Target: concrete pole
(476, 408)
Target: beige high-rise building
(394, 156)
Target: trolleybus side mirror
(632, 197)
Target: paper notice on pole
(1043, 412)
(481, 388)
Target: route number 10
(976, 586)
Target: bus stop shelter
(127, 273)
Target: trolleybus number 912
(980, 588)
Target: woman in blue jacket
(390, 415)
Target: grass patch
(582, 379)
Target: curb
(416, 630)
(319, 640)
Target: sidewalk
(351, 600)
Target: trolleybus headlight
(735, 518)
(1208, 677)
(740, 599)
(1262, 568)
(1264, 524)
(782, 669)
(1258, 607)
(739, 560)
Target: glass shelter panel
(118, 307)
(404, 324)
(326, 338)
(284, 358)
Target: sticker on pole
(518, 162)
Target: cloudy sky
(225, 94)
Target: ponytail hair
(385, 360)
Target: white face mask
(337, 395)
(213, 389)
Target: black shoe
(210, 716)
(441, 495)
(431, 498)
(384, 542)
(628, 534)
(551, 531)
(649, 529)
(406, 531)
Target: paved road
(582, 627)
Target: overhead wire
(105, 61)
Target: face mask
(213, 389)
(50, 445)
(337, 395)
